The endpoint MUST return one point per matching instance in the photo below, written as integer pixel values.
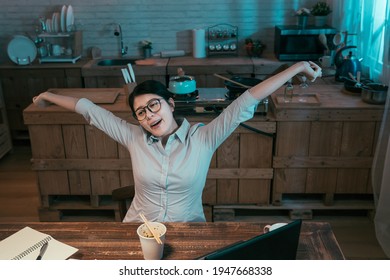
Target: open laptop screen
(278, 244)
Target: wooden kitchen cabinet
(21, 83)
(325, 149)
(78, 166)
(5, 136)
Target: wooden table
(119, 241)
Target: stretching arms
(260, 91)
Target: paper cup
(150, 248)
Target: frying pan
(235, 90)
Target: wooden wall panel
(321, 180)
(255, 152)
(99, 145)
(358, 138)
(291, 180)
(53, 183)
(325, 138)
(76, 148)
(47, 143)
(292, 138)
(126, 176)
(228, 157)
(352, 181)
(254, 192)
(209, 195)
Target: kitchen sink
(115, 62)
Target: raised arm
(45, 98)
(265, 88)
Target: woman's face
(160, 123)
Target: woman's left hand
(313, 70)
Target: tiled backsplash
(168, 24)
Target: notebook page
(26, 243)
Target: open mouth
(155, 124)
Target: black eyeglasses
(154, 105)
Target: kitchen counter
(73, 159)
(211, 65)
(334, 103)
(92, 69)
(36, 65)
(324, 149)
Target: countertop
(117, 241)
(36, 65)
(334, 104)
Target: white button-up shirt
(169, 180)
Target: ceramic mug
(56, 50)
(326, 61)
(272, 227)
(68, 51)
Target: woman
(171, 158)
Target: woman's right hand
(40, 101)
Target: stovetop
(209, 99)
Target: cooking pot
(236, 90)
(183, 84)
(353, 86)
(374, 93)
(347, 64)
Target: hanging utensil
(338, 39)
(324, 42)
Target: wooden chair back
(123, 195)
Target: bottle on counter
(288, 91)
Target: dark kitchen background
(168, 24)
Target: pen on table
(42, 251)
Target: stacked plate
(22, 50)
(62, 21)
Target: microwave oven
(294, 43)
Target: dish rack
(222, 40)
(68, 40)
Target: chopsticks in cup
(150, 227)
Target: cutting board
(311, 99)
(96, 95)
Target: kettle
(346, 65)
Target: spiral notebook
(27, 242)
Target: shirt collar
(180, 133)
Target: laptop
(278, 244)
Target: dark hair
(149, 86)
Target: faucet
(118, 32)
